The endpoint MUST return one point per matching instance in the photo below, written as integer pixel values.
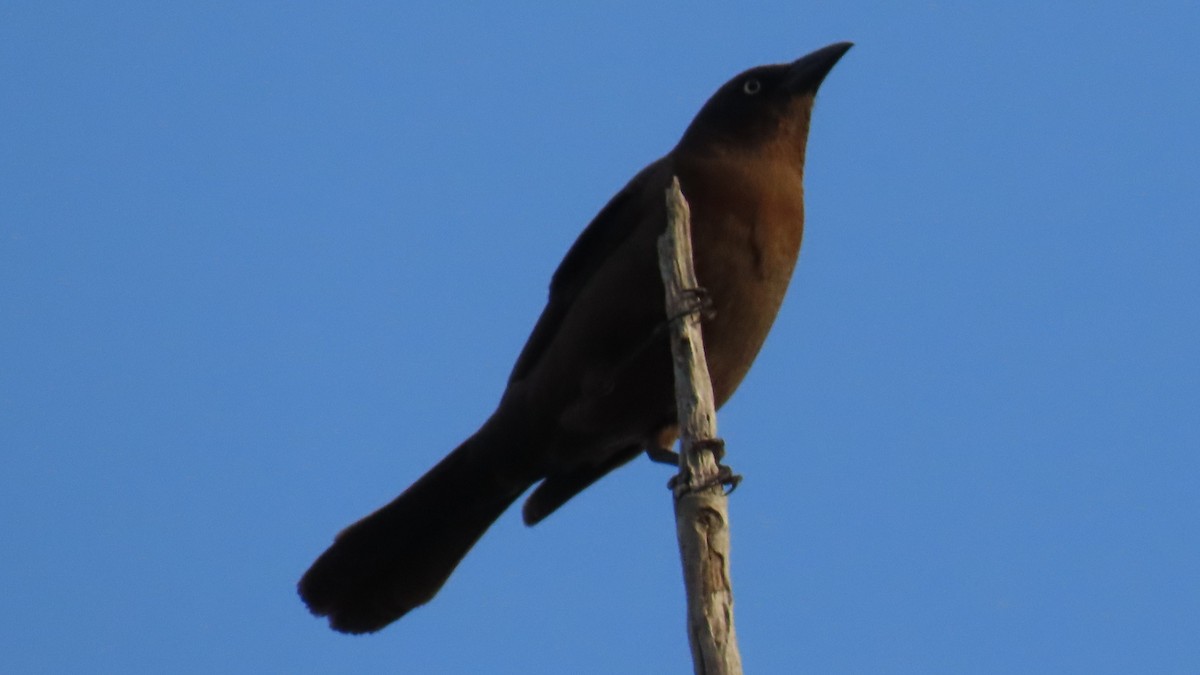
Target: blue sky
(261, 265)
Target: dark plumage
(593, 386)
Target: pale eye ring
(752, 86)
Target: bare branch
(701, 508)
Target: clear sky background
(262, 264)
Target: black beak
(807, 72)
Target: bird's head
(764, 109)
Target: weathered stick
(701, 510)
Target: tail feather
(558, 488)
(397, 558)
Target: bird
(593, 386)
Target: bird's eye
(752, 86)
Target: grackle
(593, 386)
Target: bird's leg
(682, 482)
(661, 455)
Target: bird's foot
(682, 483)
(696, 301)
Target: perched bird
(593, 386)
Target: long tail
(397, 558)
